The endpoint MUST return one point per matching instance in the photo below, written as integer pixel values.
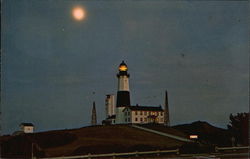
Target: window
(128, 119)
(135, 112)
(135, 119)
(145, 113)
(157, 120)
(161, 113)
(141, 113)
(145, 119)
(128, 113)
(141, 120)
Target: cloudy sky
(52, 63)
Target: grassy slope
(116, 138)
(207, 133)
(162, 128)
(97, 139)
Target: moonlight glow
(78, 13)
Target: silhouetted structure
(93, 117)
(166, 111)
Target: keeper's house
(143, 114)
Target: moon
(78, 13)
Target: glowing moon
(78, 13)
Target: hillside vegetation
(94, 140)
(113, 139)
(207, 133)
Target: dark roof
(111, 117)
(26, 124)
(123, 63)
(146, 108)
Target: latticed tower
(93, 117)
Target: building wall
(27, 129)
(142, 117)
(120, 118)
(127, 116)
(110, 105)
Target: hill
(207, 133)
(95, 139)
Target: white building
(27, 127)
(110, 105)
(143, 114)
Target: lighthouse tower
(123, 97)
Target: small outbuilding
(27, 127)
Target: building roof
(123, 63)
(111, 117)
(26, 124)
(146, 108)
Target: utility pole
(93, 117)
(32, 155)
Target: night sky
(52, 63)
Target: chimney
(166, 111)
(93, 117)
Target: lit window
(157, 120)
(145, 119)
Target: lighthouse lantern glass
(123, 68)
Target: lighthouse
(123, 96)
(125, 113)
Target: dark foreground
(233, 155)
(118, 139)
